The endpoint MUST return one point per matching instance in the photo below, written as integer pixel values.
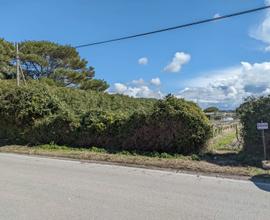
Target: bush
(21, 108)
(174, 126)
(252, 111)
(41, 113)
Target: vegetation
(225, 142)
(63, 104)
(7, 56)
(252, 111)
(44, 59)
(40, 113)
(211, 109)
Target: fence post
(264, 145)
(236, 132)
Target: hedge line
(40, 114)
(252, 111)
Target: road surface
(34, 188)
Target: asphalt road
(40, 188)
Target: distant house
(221, 116)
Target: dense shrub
(174, 126)
(254, 110)
(21, 108)
(41, 113)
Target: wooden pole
(23, 77)
(17, 65)
(264, 145)
(236, 132)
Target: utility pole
(17, 64)
(19, 70)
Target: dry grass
(177, 162)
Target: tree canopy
(211, 109)
(7, 56)
(45, 59)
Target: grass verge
(225, 142)
(225, 164)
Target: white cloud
(138, 81)
(143, 61)
(227, 88)
(120, 88)
(180, 58)
(262, 31)
(137, 91)
(267, 49)
(217, 15)
(155, 81)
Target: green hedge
(40, 114)
(252, 111)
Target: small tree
(211, 109)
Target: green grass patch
(53, 147)
(225, 142)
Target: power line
(176, 27)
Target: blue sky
(218, 63)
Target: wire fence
(220, 128)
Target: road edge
(148, 167)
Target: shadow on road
(262, 181)
(234, 159)
(3, 142)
